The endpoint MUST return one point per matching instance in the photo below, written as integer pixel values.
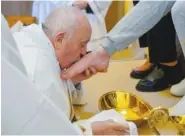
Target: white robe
(43, 68)
(25, 110)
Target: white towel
(115, 116)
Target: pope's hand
(109, 127)
(81, 4)
(98, 59)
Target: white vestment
(25, 110)
(43, 68)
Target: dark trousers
(161, 41)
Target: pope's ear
(59, 37)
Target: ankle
(170, 64)
(147, 65)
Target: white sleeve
(140, 19)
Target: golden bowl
(129, 105)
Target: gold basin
(129, 105)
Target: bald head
(65, 19)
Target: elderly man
(60, 43)
(137, 22)
(24, 110)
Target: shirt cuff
(108, 45)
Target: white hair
(62, 19)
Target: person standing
(161, 70)
(143, 17)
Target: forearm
(138, 21)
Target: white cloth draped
(42, 66)
(25, 110)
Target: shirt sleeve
(138, 21)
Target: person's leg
(146, 68)
(162, 41)
(178, 16)
(162, 48)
